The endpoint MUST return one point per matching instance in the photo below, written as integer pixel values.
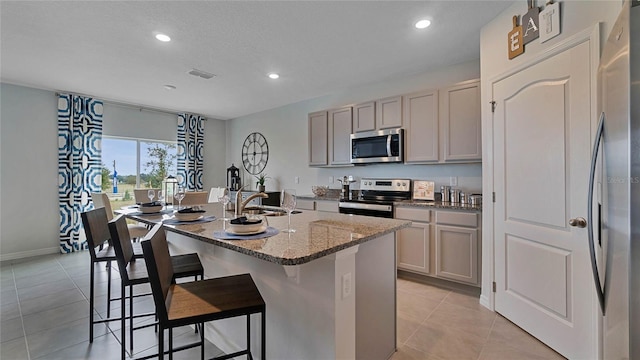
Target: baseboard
(446, 284)
(484, 301)
(30, 253)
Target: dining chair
(195, 198)
(102, 200)
(197, 302)
(215, 193)
(133, 272)
(96, 228)
(142, 195)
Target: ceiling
(107, 49)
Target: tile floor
(44, 315)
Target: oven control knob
(404, 184)
(398, 184)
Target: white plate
(188, 219)
(233, 231)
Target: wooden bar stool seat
(133, 271)
(197, 302)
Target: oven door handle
(365, 206)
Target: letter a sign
(516, 46)
(531, 23)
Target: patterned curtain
(190, 148)
(79, 164)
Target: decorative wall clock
(255, 153)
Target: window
(137, 163)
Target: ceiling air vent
(200, 73)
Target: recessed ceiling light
(273, 76)
(423, 24)
(169, 87)
(163, 37)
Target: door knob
(578, 222)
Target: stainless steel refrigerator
(614, 199)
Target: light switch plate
(297, 179)
(453, 181)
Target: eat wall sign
(535, 24)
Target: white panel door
(542, 153)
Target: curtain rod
(129, 105)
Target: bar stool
(133, 271)
(96, 229)
(102, 200)
(197, 302)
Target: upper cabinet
(364, 117)
(421, 123)
(460, 122)
(389, 113)
(442, 126)
(377, 115)
(340, 136)
(318, 137)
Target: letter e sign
(516, 47)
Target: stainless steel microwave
(384, 146)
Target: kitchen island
(329, 287)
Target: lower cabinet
(327, 205)
(305, 204)
(414, 247)
(443, 244)
(319, 205)
(457, 253)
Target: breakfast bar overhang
(330, 287)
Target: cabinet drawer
(304, 204)
(324, 205)
(413, 214)
(457, 218)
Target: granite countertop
(317, 233)
(415, 203)
(439, 205)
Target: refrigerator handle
(592, 251)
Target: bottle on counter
(445, 191)
(455, 196)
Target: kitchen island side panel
(308, 314)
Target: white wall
(29, 162)
(29, 171)
(576, 17)
(285, 129)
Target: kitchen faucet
(241, 204)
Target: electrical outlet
(297, 180)
(330, 179)
(346, 285)
(453, 181)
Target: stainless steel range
(377, 197)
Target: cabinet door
(364, 117)
(457, 253)
(305, 204)
(327, 205)
(421, 122)
(340, 136)
(413, 247)
(389, 113)
(460, 121)
(318, 134)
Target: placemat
(221, 234)
(161, 212)
(178, 222)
